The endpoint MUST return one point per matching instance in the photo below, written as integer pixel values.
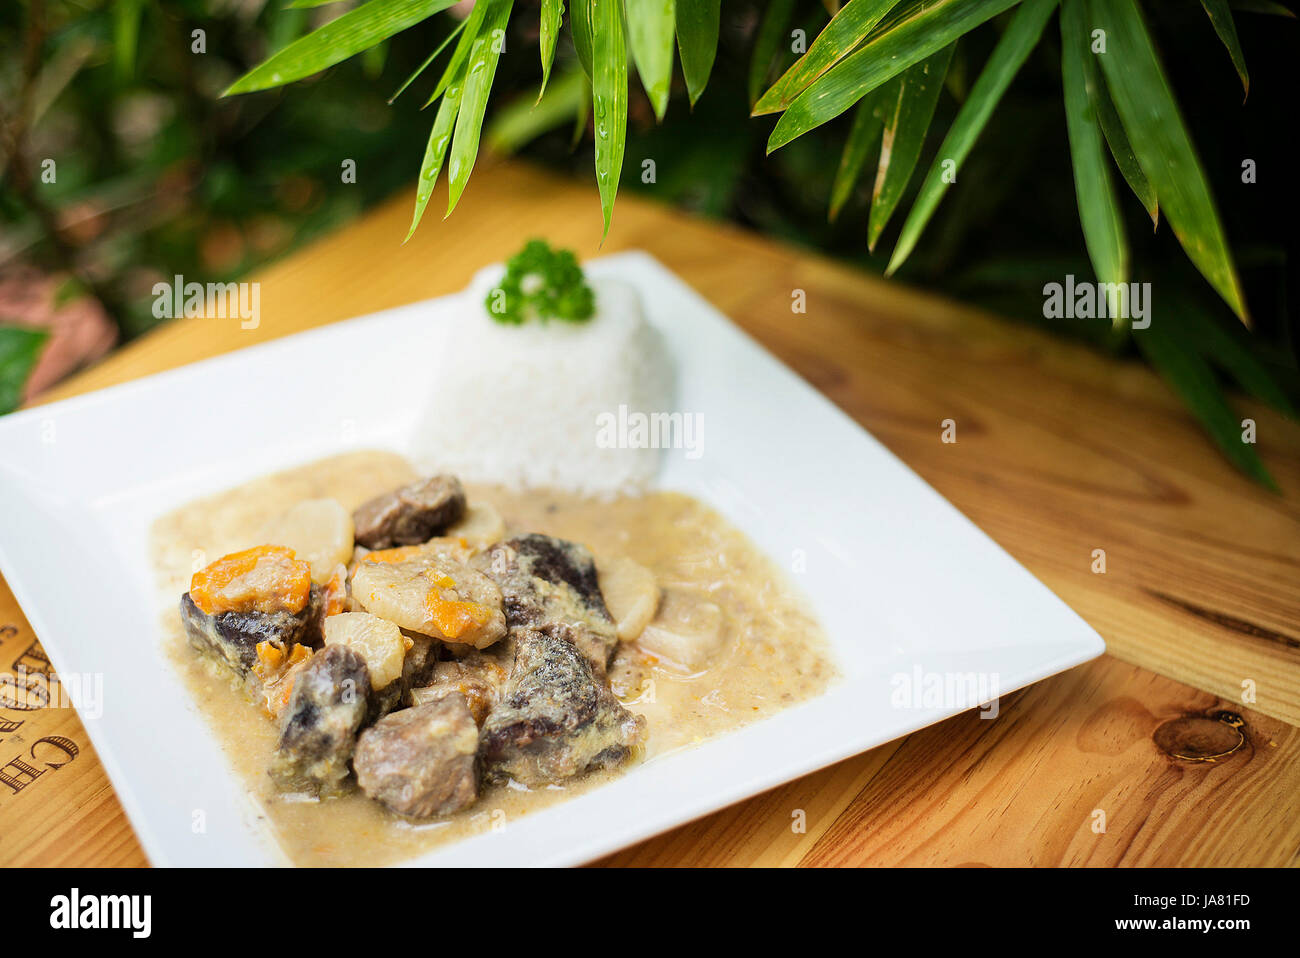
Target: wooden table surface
(1178, 747)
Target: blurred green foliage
(157, 174)
(154, 173)
(19, 348)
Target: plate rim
(1085, 647)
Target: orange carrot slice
(263, 579)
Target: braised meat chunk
(421, 761)
(232, 638)
(262, 596)
(430, 658)
(319, 728)
(549, 585)
(477, 677)
(556, 719)
(410, 515)
(421, 658)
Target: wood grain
(1069, 773)
(1028, 787)
(67, 815)
(1059, 451)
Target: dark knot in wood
(1201, 738)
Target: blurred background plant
(157, 174)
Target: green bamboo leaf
(650, 28)
(549, 32)
(864, 137)
(1147, 108)
(956, 81)
(337, 40)
(1193, 379)
(1021, 36)
(697, 42)
(608, 99)
(1226, 28)
(66, 60)
(436, 150)
(847, 29)
(1099, 215)
(583, 114)
(20, 348)
(1228, 350)
(480, 71)
(920, 32)
(1121, 149)
(460, 56)
(1263, 6)
(525, 118)
(286, 26)
(907, 120)
(374, 58)
(302, 4)
(460, 25)
(771, 31)
(126, 36)
(580, 27)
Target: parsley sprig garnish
(541, 283)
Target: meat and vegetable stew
(394, 660)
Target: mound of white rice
(521, 405)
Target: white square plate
(903, 583)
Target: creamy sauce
(773, 654)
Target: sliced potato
(432, 594)
(687, 631)
(450, 548)
(379, 642)
(631, 594)
(317, 530)
(480, 526)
